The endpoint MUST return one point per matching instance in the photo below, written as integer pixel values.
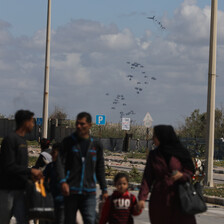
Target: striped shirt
(119, 208)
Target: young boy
(121, 205)
(45, 155)
(52, 179)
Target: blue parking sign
(100, 119)
(39, 121)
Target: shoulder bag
(191, 198)
(40, 202)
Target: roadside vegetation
(32, 161)
(134, 175)
(219, 163)
(217, 191)
(33, 143)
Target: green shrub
(32, 161)
(135, 175)
(217, 191)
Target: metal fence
(58, 132)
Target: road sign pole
(47, 67)
(147, 140)
(100, 131)
(211, 96)
(39, 133)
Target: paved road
(218, 178)
(214, 215)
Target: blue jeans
(12, 204)
(86, 204)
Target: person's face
(82, 127)
(122, 185)
(29, 124)
(155, 140)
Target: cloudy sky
(91, 43)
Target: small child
(121, 205)
(52, 179)
(45, 156)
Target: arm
(60, 169)
(187, 175)
(179, 173)
(147, 180)
(60, 163)
(104, 217)
(39, 163)
(9, 159)
(46, 173)
(135, 211)
(100, 169)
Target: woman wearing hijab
(167, 166)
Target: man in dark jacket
(80, 165)
(14, 171)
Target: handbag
(40, 202)
(191, 198)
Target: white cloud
(118, 41)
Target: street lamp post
(211, 96)
(47, 68)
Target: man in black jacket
(80, 165)
(14, 171)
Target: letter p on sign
(100, 119)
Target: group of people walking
(76, 165)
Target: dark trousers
(13, 204)
(59, 216)
(86, 204)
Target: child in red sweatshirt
(121, 205)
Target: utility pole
(211, 96)
(47, 68)
(147, 141)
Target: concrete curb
(125, 161)
(208, 199)
(144, 163)
(219, 171)
(214, 200)
(132, 186)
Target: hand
(104, 196)
(177, 176)
(65, 189)
(140, 205)
(36, 174)
(136, 210)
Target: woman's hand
(140, 205)
(177, 176)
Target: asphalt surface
(214, 214)
(218, 178)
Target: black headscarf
(170, 146)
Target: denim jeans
(12, 204)
(86, 204)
